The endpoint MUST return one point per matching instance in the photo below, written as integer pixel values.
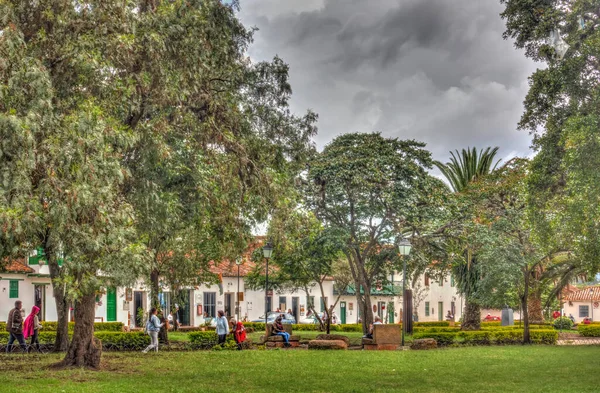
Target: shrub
(475, 337)
(507, 336)
(431, 324)
(435, 329)
(108, 327)
(491, 323)
(589, 330)
(255, 325)
(544, 336)
(563, 323)
(123, 340)
(515, 327)
(203, 338)
(442, 338)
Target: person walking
(153, 327)
(222, 327)
(239, 333)
(14, 326)
(31, 328)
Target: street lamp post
(404, 247)
(267, 252)
(238, 262)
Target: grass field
(474, 369)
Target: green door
(440, 311)
(391, 312)
(343, 312)
(111, 305)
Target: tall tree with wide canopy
(371, 189)
(463, 169)
(217, 142)
(562, 111)
(509, 253)
(62, 177)
(205, 139)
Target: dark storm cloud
(433, 70)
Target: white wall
(436, 293)
(26, 295)
(572, 308)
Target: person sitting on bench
(377, 321)
(279, 330)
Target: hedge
(485, 337)
(431, 324)
(589, 330)
(110, 340)
(123, 340)
(436, 329)
(442, 338)
(515, 327)
(98, 326)
(475, 337)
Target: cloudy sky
(432, 70)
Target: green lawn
(475, 369)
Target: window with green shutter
(426, 309)
(14, 289)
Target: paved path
(580, 341)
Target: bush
(491, 323)
(589, 330)
(475, 337)
(563, 323)
(203, 338)
(110, 340)
(515, 327)
(255, 325)
(503, 337)
(431, 324)
(132, 341)
(544, 336)
(442, 338)
(435, 329)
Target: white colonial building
(29, 281)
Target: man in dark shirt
(14, 325)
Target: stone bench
(327, 344)
(385, 337)
(274, 341)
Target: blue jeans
(285, 335)
(11, 340)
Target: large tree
(216, 139)
(463, 169)
(508, 250)
(204, 138)
(562, 110)
(371, 189)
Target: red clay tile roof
(584, 294)
(17, 266)
(228, 268)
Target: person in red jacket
(239, 332)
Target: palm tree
(464, 168)
(467, 166)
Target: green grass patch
(530, 369)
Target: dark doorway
(295, 310)
(138, 302)
(40, 300)
(184, 308)
(229, 305)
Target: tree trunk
(61, 342)
(471, 316)
(154, 289)
(85, 350)
(163, 334)
(534, 304)
(525, 316)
